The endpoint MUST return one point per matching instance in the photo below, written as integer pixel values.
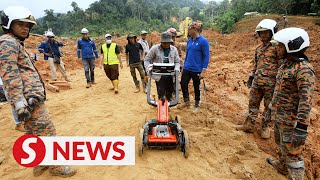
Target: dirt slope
(217, 150)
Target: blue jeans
(88, 65)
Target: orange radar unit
(163, 132)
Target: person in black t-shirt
(134, 54)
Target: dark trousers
(133, 68)
(144, 68)
(112, 71)
(88, 65)
(185, 79)
(165, 87)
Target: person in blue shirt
(51, 51)
(88, 52)
(195, 64)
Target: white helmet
(143, 32)
(16, 13)
(267, 24)
(107, 35)
(50, 34)
(84, 31)
(294, 39)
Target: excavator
(183, 27)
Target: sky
(37, 7)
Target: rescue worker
(51, 51)
(292, 101)
(195, 64)
(26, 92)
(88, 52)
(134, 54)
(262, 79)
(163, 53)
(110, 61)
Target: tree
(315, 6)
(285, 5)
(75, 6)
(211, 9)
(226, 22)
(194, 12)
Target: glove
(23, 114)
(33, 102)
(300, 133)
(250, 80)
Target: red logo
(29, 150)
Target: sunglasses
(50, 36)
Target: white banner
(75, 150)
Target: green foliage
(119, 16)
(124, 16)
(315, 6)
(223, 16)
(226, 22)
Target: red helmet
(196, 25)
(172, 31)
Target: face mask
(109, 41)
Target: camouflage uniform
(22, 81)
(265, 69)
(291, 104)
